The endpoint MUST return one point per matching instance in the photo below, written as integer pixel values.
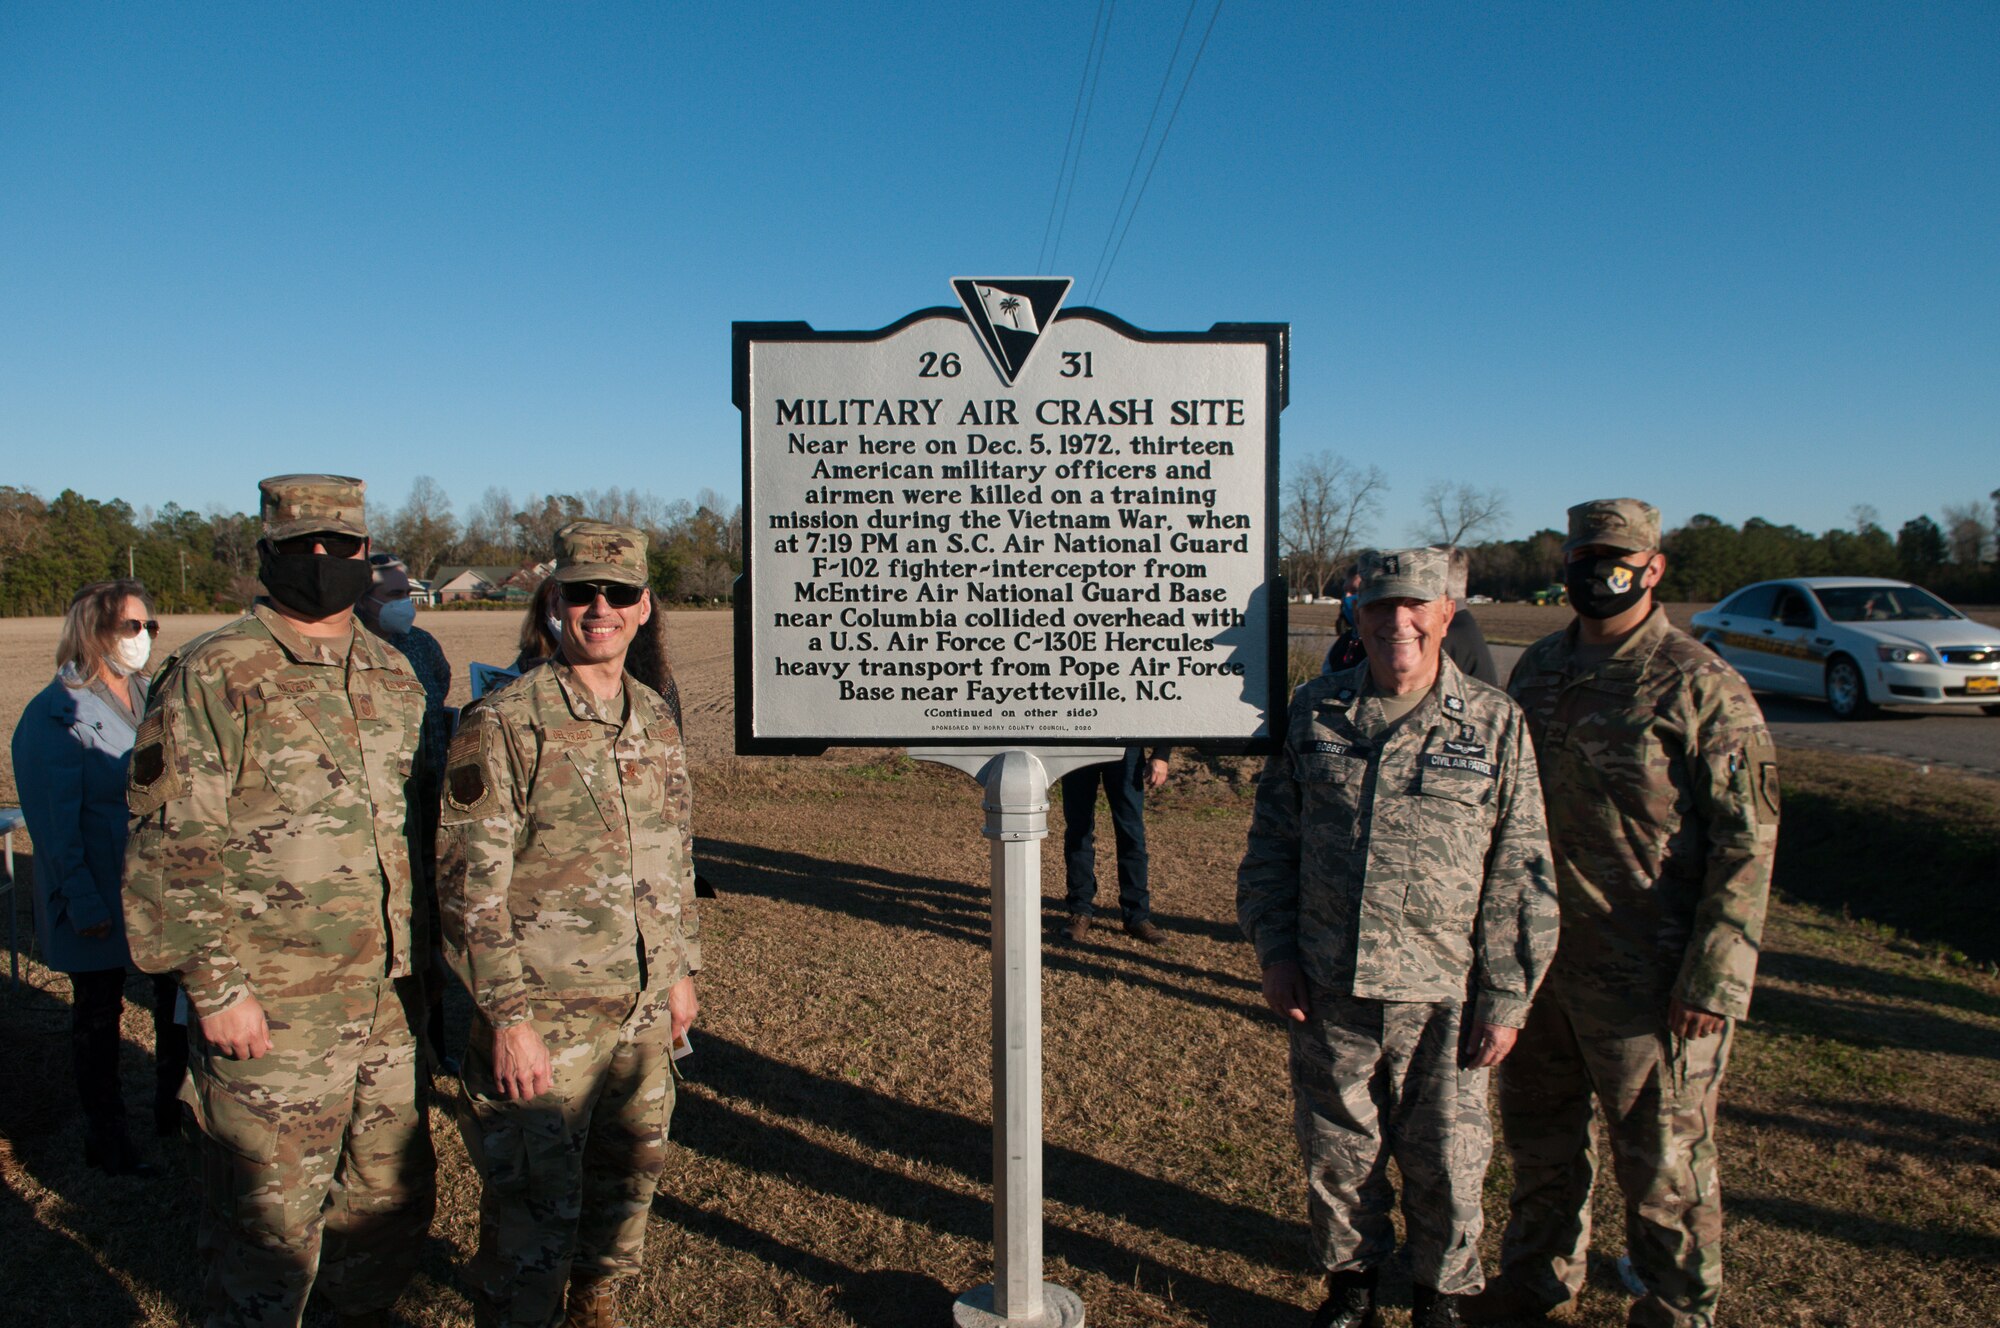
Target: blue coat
(70, 753)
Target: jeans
(97, 1007)
(1127, 796)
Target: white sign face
(936, 555)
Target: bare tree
(1329, 502)
(1865, 517)
(423, 529)
(1966, 532)
(1454, 513)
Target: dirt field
(832, 1149)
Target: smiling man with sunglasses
(270, 867)
(566, 888)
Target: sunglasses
(579, 594)
(132, 627)
(336, 544)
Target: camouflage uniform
(1406, 873)
(270, 857)
(566, 883)
(1662, 790)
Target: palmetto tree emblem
(1011, 306)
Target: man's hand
(1688, 1022)
(521, 1062)
(1488, 1045)
(1285, 990)
(1156, 773)
(240, 1032)
(682, 1007)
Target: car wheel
(1846, 691)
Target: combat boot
(592, 1302)
(1433, 1309)
(1350, 1301)
(1507, 1301)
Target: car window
(1884, 604)
(1755, 602)
(1792, 609)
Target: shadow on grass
(927, 1136)
(1910, 1131)
(1875, 848)
(1818, 970)
(1867, 1233)
(943, 908)
(1870, 1026)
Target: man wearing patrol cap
(565, 881)
(269, 867)
(1398, 890)
(1662, 790)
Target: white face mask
(134, 651)
(398, 616)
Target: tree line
(194, 562)
(1330, 505)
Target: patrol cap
(600, 551)
(312, 505)
(1402, 574)
(1616, 523)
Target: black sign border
(1276, 338)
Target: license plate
(1980, 686)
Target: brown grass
(833, 1143)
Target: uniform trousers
(1659, 1094)
(569, 1175)
(1372, 1080)
(316, 1157)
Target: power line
(1139, 151)
(1158, 150)
(1076, 164)
(1076, 111)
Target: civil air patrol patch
(1446, 761)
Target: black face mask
(1603, 587)
(314, 585)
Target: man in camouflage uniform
(1662, 789)
(269, 867)
(1397, 873)
(566, 884)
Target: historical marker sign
(1009, 522)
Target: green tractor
(1553, 593)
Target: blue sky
(1737, 258)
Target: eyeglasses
(132, 627)
(579, 594)
(336, 544)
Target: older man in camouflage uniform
(269, 866)
(1398, 873)
(1662, 790)
(566, 884)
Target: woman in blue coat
(71, 749)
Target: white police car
(1857, 641)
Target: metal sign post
(1016, 783)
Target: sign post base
(1060, 1309)
(1016, 782)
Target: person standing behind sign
(566, 878)
(70, 751)
(1125, 783)
(1398, 890)
(269, 865)
(1662, 788)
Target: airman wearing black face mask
(1662, 793)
